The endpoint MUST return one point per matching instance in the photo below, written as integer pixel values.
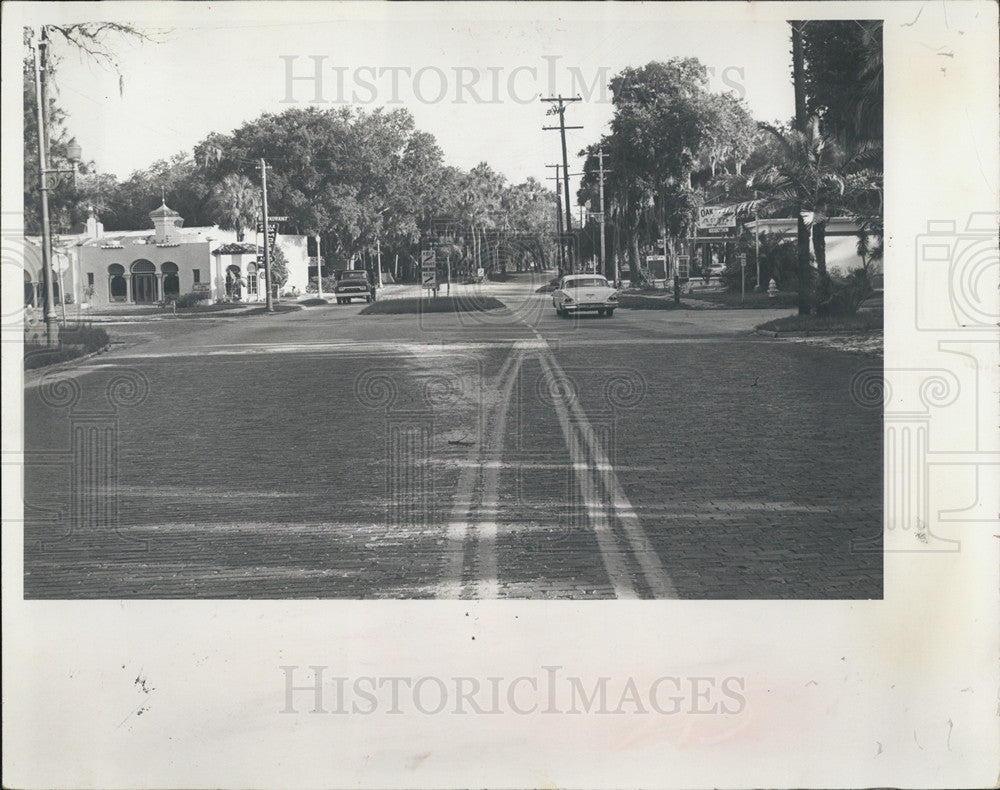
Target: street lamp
(74, 152)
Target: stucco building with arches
(149, 266)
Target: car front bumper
(583, 307)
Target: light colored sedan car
(584, 292)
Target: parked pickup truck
(353, 284)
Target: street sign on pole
(428, 269)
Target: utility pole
(756, 240)
(601, 171)
(48, 309)
(559, 221)
(319, 269)
(267, 236)
(560, 108)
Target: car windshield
(353, 276)
(587, 282)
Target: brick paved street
(325, 454)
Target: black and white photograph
(402, 333)
(397, 388)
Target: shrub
(190, 299)
(778, 261)
(91, 338)
(843, 296)
(328, 284)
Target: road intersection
(319, 453)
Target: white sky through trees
(213, 70)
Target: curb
(814, 333)
(138, 319)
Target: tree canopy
(669, 137)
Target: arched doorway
(171, 280)
(234, 282)
(29, 291)
(144, 290)
(117, 286)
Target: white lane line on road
(462, 504)
(659, 582)
(613, 557)
(487, 582)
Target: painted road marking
(656, 576)
(461, 523)
(615, 563)
(487, 584)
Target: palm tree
(807, 180)
(812, 178)
(237, 204)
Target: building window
(90, 279)
(171, 279)
(197, 275)
(117, 285)
(251, 279)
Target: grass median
(638, 301)
(811, 324)
(753, 300)
(74, 342)
(439, 304)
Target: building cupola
(165, 221)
